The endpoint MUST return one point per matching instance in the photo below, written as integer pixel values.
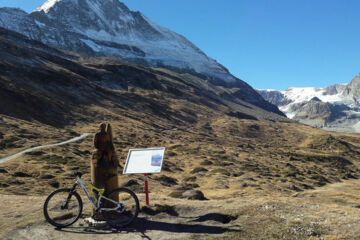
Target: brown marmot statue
(104, 162)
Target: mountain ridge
(338, 107)
(64, 25)
(47, 85)
(109, 28)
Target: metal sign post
(146, 190)
(144, 161)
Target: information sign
(147, 160)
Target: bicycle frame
(119, 206)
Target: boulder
(193, 195)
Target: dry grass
(281, 180)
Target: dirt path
(5, 159)
(185, 220)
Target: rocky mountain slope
(335, 107)
(109, 28)
(43, 84)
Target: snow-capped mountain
(336, 107)
(109, 28)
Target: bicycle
(63, 207)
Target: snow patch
(40, 24)
(47, 6)
(92, 45)
(298, 95)
(356, 127)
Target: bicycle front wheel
(122, 209)
(62, 207)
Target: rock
(134, 186)
(166, 181)
(54, 184)
(206, 163)
(21, 174)
(187, 186)
(238, 174)
(171, 154)
(193, 195)
(131, 183)
(47, 176)
(3, 170)
(244, 185)
(159, 209)
(176, 194)
(199, 169)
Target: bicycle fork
(65, 206)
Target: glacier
(341, 101)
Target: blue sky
(267, 43)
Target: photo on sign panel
(156, 160)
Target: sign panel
(147, 160)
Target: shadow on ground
(142, 225)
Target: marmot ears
(109, 131)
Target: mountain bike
(64, 206)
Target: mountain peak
(46, 6)
(109, 28)
(94, 5)
(315, 99)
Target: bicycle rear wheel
(63, 208)
(127, 211)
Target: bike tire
(131, 203)
(62, 194)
